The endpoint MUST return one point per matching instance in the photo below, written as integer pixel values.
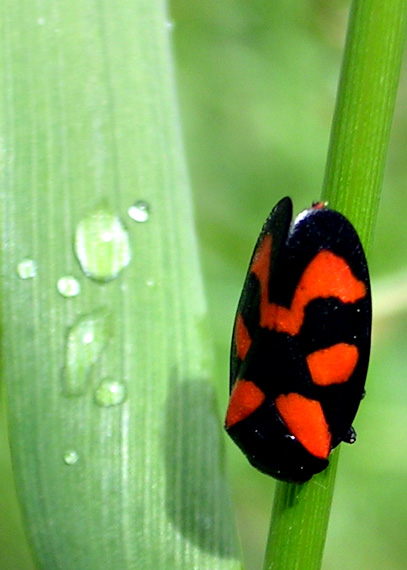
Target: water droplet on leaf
(71, 457)
(139, 211)
(110, 393)
(68, 286)
(86, 340)
(27, 269)
(102, 245)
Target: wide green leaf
(113, 426)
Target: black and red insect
(301, 343)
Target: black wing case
(248, 311)
(342, 319)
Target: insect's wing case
(269, 358)
(277, 226)
(329, 321)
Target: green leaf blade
(89, 118)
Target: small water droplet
(139, 211)
(110, 392)
(150, 282)
(27, 269)
(85, 343)
(41, 21)
(169, 25)
(88, 337)
(68, 286)
(102, 245)
(71, 457)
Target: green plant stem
(364, 110)
(354, 173)
(300, 521)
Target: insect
(301, 342)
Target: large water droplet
(110, 392)
(139, 211)
(71, 457)
(102, 245)
(86, 340)
(27, 269)
(68, 286)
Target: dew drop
(68, 286)
(85, 343)
(110, 393)
(150, 282)
(102, 245)
(27, 269)
(71, 457)
(139, 211)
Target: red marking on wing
(306, 421)
(319, 205)
(333, 365)
(261, 264)
(245, 398)
(242, 338)
(327, 275)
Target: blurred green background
(257, 82)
